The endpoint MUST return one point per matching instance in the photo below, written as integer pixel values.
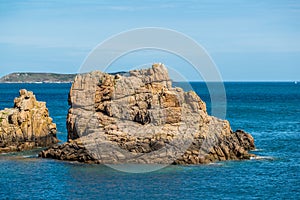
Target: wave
(30, 156)
(215, 164)
(262, 158)
(257, 150)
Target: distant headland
(27, 77)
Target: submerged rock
(27, 125)
(138, 117)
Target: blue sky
(248, 40)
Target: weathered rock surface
(139, 117)
(27, 125)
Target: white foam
(257, 150)
(30, 156)
(262, 158)
(215, 164)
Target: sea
(270, 111)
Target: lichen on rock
(27, 125)
(138, 117)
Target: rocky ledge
(27, 125)
(138, 117)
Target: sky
(253, 40)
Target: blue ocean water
(269, 111)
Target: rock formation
(138, 117)
(27, 125)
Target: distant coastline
(28, 77)
(45, 77)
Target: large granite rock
(138, 117)
(27, 125)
